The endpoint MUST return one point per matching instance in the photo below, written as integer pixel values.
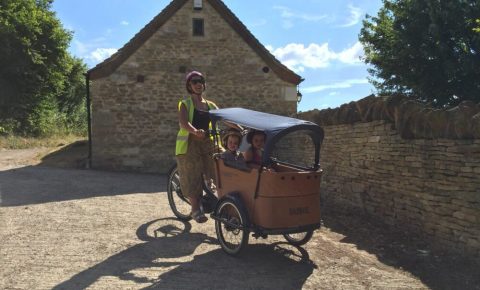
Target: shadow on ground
(437, 269)
(56, 179)
(41, 184)
(167, 241)
(70, 156)
(48, 183)
(37, 184)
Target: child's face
(233, 143)
(258, 140)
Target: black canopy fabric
(274, 126)
(257, 120)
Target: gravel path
(77, 229)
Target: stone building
(134, 93)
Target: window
(197, 4)
(198, 27)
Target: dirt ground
(64, 227)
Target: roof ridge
(109, 65)
(294, 78)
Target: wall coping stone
(412, 119)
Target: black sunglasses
(196, 81)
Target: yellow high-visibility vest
(182, 136)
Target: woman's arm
(183, 122)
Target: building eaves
(109, 65)
(281, 70)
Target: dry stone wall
(416, 169)
(134, 123)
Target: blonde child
(231, 156)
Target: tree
(426, 49)
(36, 70)
(71, 102)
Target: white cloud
(79, 48)
(287, 23)
(93, 51)
(124, 22)
(300, 69)
(340, 85)
(101, 54)
(297, 57)
(83, 47)
(355, 16)
(258, 23)
(351, 55)
(289, 15)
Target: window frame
(195, 27)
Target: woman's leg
(208, 164)
(190, 168)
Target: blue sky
(318, 39)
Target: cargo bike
(281, 197)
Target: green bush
(42, 85)
(9, 126)
(44, 119)
(76, 122)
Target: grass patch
(19, 142)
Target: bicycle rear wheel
(179, 204)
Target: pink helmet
(189, 76)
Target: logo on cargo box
(298, 210)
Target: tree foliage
(41, 85)
(426, 49)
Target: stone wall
(410, 168)
(134, 123)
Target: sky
(317, 39)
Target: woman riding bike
(194, 148)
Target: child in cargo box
(232, 157)
(253, 155)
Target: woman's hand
(199, 133)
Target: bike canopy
(274, 126)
